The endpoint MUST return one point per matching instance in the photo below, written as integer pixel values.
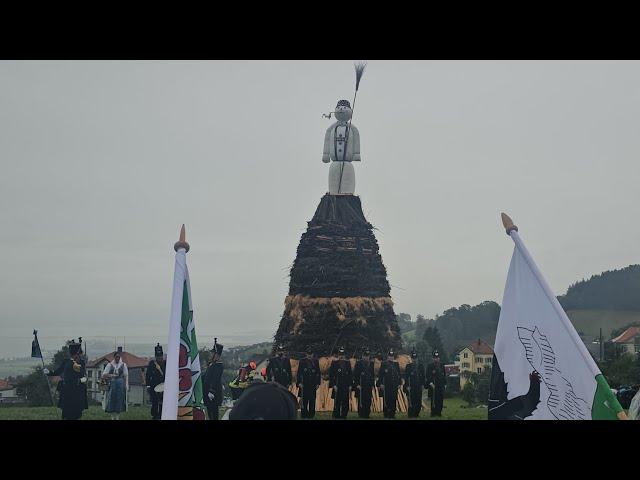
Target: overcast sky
(101, 162)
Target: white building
(8, 393)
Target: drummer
(155, 382)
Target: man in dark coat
(308, 381)
(414, 378)
(363, 381)
(388, 383)
(279, 368)
(73, 395)
(154, 376)
(340, 381)
(436, 381)
(212, 383)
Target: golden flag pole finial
(182, 243)
(508, 223)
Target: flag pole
(171, 388)
(512, 231)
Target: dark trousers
(308, 404)
(437, 396)
(390, 399)
(212, 412)
(415, 402)
(364, 401)
(156, 405)
(341, 403)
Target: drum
(159, 389)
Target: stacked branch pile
(339, 294)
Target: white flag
(542, 369)
(170, 396)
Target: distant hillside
(610, 300)
(457, 326)
(589, 322)
(610, 290)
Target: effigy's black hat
(158, 350)
(341, 350)
(343, 103)
(436, 354)
(265, 401)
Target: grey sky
(102, 161)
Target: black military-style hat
(343, 103)
(436, 354)
(158, 350)
(74, 347)
(217, 347)
(341, 350)
(265, 401)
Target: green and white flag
(541, 368)
(182, 398)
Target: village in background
(605, 310)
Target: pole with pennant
(541, 368)
(36, 352)
(183, 392)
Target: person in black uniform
(414, 378)
(83, 360)
(436, 381)
(308, 381)
(73, 398)
(388, 383)
(340, 380)
(279, 368)
(363, 382)
(212, 384)
(154, 376)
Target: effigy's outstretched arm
(326, 156)
(355, 139)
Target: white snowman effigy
(341, 148)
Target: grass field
(454, 409)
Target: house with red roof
(137, 368)
(474, 358)
(629, 340)
(8, 393)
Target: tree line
(610, 290)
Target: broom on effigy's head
(359, 66)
